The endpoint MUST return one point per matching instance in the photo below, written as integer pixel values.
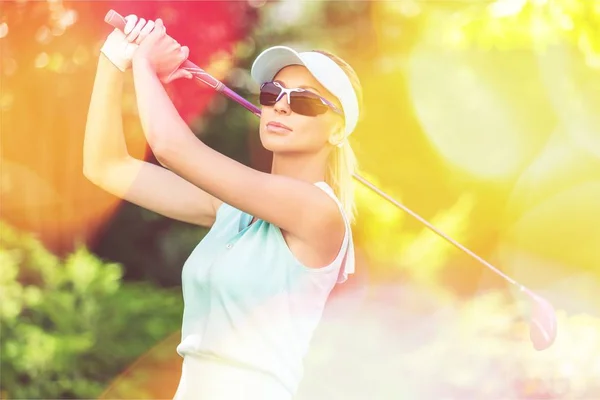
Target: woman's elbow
(166, 141)
(164, 147)
(162, 150)
(92, 175)
(93, 170)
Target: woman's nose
(282, 105)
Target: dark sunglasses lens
(268, 94)
(307, 103)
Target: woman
(255, 287)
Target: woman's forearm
(160, 120)
(104, 141)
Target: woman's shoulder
(329, 190)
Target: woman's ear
(337, 135)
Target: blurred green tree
(68, 326)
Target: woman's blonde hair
(342, 163)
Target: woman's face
(284, 131)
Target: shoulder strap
(348, 261)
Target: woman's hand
(163, 54)
(120, 47)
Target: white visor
(323, 68)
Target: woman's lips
(278, 127)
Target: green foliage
(151, 247)
(69, 326)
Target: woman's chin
(276, 143)
(276, 148)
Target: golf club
(542, 325)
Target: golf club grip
(117, 21)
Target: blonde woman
(255, 287)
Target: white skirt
(207, 379)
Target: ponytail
(341, 167)
(342, 163)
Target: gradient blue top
(249, 302)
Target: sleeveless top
(249, 303)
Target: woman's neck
(306, 167)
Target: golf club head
(542, 325)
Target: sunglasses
(301, 101)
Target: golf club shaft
(117, 21)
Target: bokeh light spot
(3, 29)
(42, 60)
